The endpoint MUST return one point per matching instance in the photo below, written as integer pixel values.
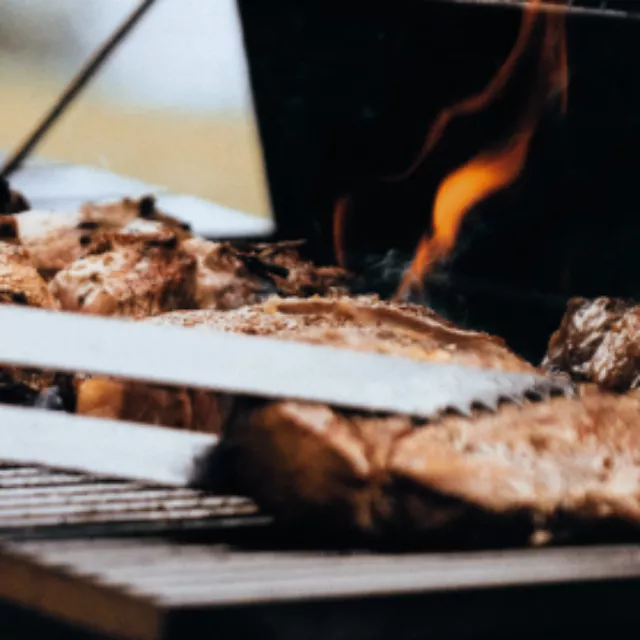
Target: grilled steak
(540, 470)
(56, 239)
(598, 341)
(128, 274)
(363, 324)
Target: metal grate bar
(35, 499)
(603, 8)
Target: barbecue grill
(116, 560)
(105, 557)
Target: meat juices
(598, 341)
(357, 323)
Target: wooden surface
(216, 157)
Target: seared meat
(545, 468)
(128, 274)
(20, 283)
(223, 282)
(598, 341)
(363, 324)
(231, 276)
(56, 239)
(151, 404)
(11, 201)
(292, 275)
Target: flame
(479, 101)
(339, 218)
(483, 176)
(489, 172)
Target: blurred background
(172, 107)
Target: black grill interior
(345, 93)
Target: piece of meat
(291, 274)
(363, 324)
(56, 239)
(128, 274)
(551, 468)
(20, 283)
(231, 276)
(598, 341)
(151, 404)
(11, 201)
(223, 281)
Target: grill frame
(325, 596)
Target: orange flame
(339, 224)
(479, 101)
(481, 177)
(489, 172)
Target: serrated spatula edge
(251, 365)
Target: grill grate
(56, 558)
(40, 502)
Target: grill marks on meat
(128, 274)
(56, 239)
(598, 341)
(364, 324)
(522, 470)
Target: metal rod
(74, 88)
(550, 6)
